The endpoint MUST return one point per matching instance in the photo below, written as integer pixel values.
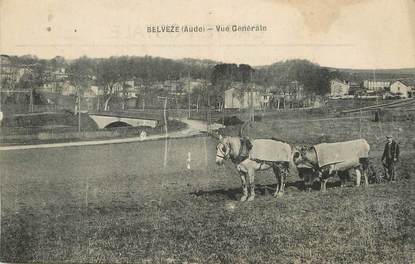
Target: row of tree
(108, 73)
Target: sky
(364, 34)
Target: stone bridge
(106, 120)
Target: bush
(230, 121)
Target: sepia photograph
(194, 131)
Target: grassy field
(12, 136)
(193, 216)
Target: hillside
(363, 74)
(283, 76)
(410, 71)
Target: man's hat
(389, 136)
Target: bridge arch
(118, 124)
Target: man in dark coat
(390, 157)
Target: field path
(194, 128)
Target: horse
(236, 149)
(354, 156)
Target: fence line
(324, 119)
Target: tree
(27, 81)
(246, 71)
(223, 75)
(107, 78)
(126, 69)
(81, 72)
(199, 93)
(58, 62)
(314, 78)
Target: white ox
(327, 159)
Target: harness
(324, 172)
(243, 154)
(306, 162)
(225, 156)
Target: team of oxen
(321, 161)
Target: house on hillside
(47, 87)
(296, 90)
(373, 86)
(265, 100)
(293, 90)
(339, 88)
(89, 97)
(11, 72)
(92, 92)
(354, 87)
(189, 84)
(132, 92)
(127, 88)
(242, 95)
(51, 74)
(404, 88)
(289, 94)
(157, 86)
(172, 86)
(68, 89)
(236, 99)
(95, 89)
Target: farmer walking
(390, 157)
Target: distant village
(387, 89)
(56, 90)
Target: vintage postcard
(191, 131)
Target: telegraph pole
(374, 86)
(208, 113)
(166, 135)
(31, 100)
(165, 98)
(188, 90)
(98, 100)
(79, 114)
(165, 116)
(1, 85)
(252, 100)
(79, 110)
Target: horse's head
(223, 150)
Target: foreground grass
(118, 224)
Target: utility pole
(1, 85)
(188, 90)
(98, 100)
(208, 113)
(165, 99)
(206, 92)
(166, 134)
(31, 101)
(374, 85)
(165, 116)
(223, 111)
(251, 89)
(79, 109)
